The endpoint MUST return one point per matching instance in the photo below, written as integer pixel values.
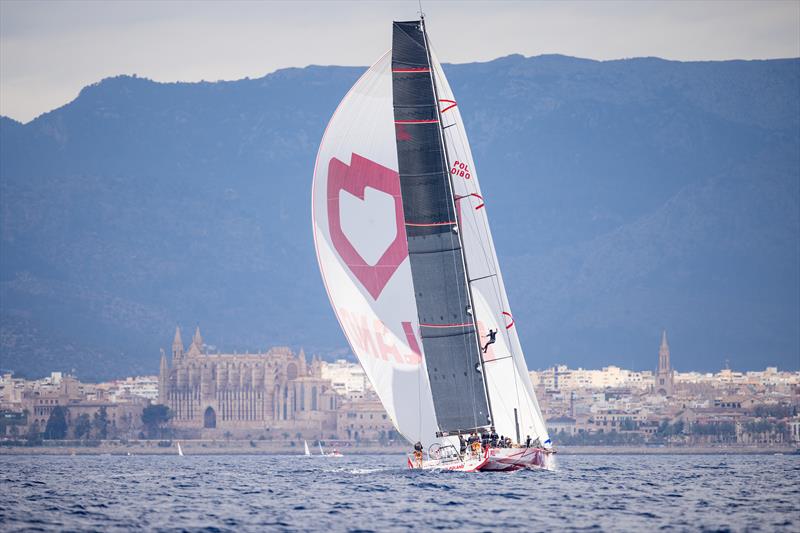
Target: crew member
(476, 444)
(418, 453)
(492, 334)
(528, 442)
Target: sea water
(377, 493)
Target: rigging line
(482, 277)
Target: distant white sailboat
(305, 443)
(334, 453)
(180, 451)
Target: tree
(56, 427)
(154, 417)
(83, 425)
(34, 436)
(101, 423)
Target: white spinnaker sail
(360, 239)
(507, 377)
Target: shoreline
(234, 448)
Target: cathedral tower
(196, 348)
(664, 374)
(177, 345)
(163, 377)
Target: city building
(123, 390)
(275, 392)
(347, 379)
(365, 419)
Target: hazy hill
(625, 196)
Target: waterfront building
(794, 430)
(562, 425)
(365, 419)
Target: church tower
(177, 345)
(316, 367)
(163, 378)
(664, 374)
(196, 347)
(302, 360)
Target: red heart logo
(363, 173)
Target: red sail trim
(464, 325)
(476, 195)
(448, 108)
(430, 224)
(420, 69)
(433, 121)
(510, 324)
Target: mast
(445, 165)
(442, 292)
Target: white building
(121, 390)
(564, 378)
(347, 379)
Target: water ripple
(256, 493)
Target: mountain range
(625, 197)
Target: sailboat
(334, 453)
(180, 451)
(407, 258)
(307, 451)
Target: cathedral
(270, 393)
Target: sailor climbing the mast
(492, 337)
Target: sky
(50, 50)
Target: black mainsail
(444, 304)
